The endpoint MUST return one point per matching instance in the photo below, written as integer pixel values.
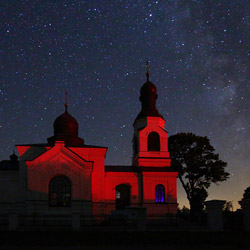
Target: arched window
(60, 192)
(154, 142)
(160, 193)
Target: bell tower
(150, 140)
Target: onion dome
(66, 124)
(66, 129)
(148, 97)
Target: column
(215, 214)
(13, 221)
(76, 221)
(245, 206)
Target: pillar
(245, 206)
(138, 215)
(76, 221)
(215, 214)
(13, 221)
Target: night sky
(97, 50)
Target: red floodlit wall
(150, 181)
(154, 124)
(85, 169)
(83, 166)
(97, 156)
(143, 128)
(28, 150)
(59, 161)
(113, 179)
(168, 180)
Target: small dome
(14, 157)
(66, 129)
(66, 124)
(148, 88)
(148, 97)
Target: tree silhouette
(228, 207)
(197, 165)
(246, 194)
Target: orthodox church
(67, 176)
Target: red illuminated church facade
(65, 175)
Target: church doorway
(122, 196)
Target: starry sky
(96, 50)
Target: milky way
(96, 50)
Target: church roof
(35, 150)
(117, 168)
(48, 145)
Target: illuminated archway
(60, 192)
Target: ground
(125, 240)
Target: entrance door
(122, 196)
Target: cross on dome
(66, 101)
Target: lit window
(159, 194)
(117, 195)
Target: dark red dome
(148, 88)
(66, 124)
(66, 129)
(14, 157)
(148, 99)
